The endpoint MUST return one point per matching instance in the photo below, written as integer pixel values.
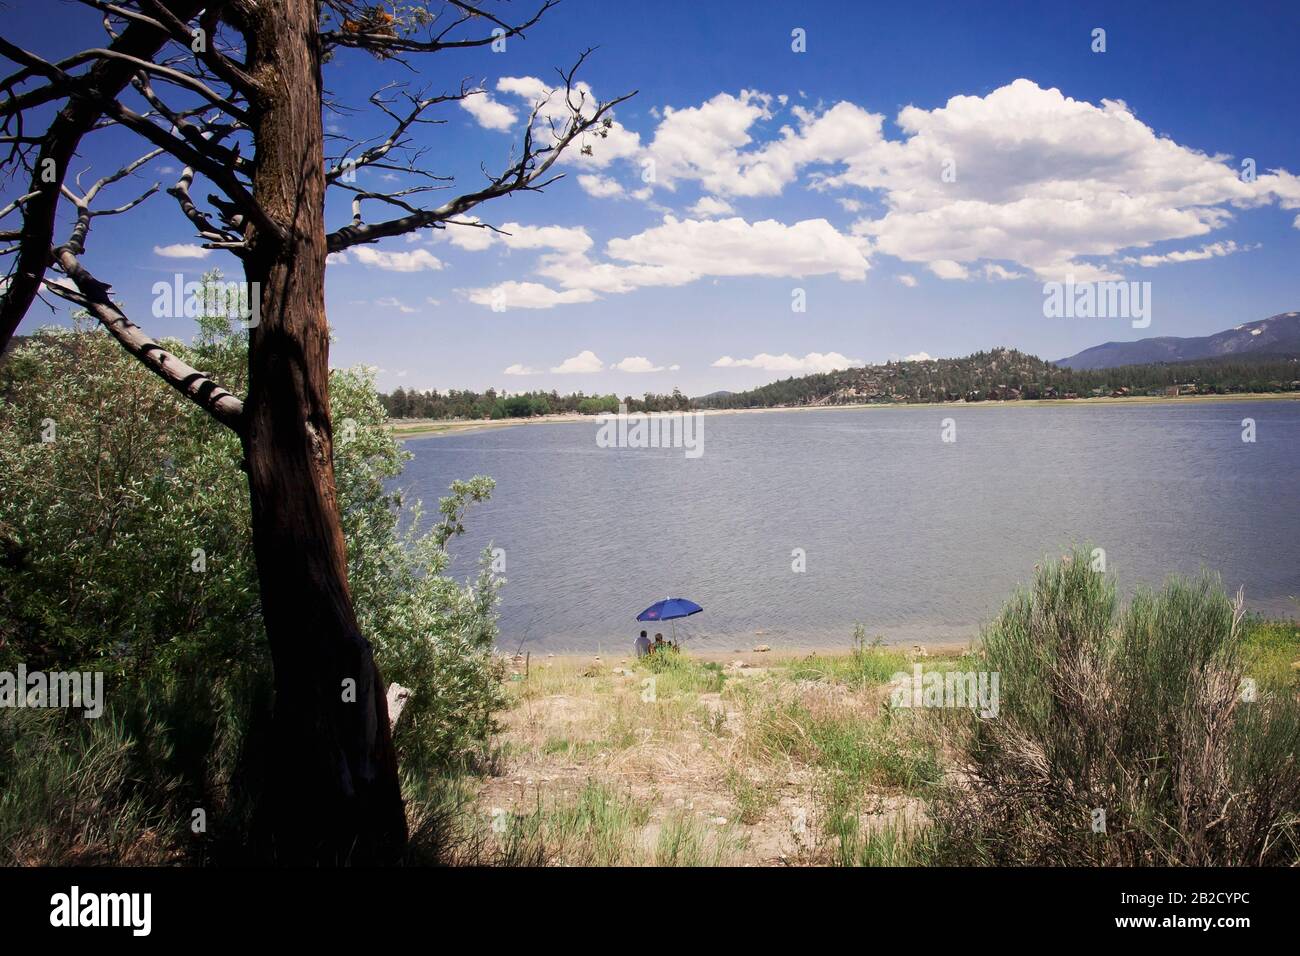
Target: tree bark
(333, 791)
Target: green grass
(890, 844)
(598, 826)
(868, 665)
(686, 840)
(676, 673)
(752, 800)
(879, 753)
(1271, 648)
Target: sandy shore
(750, 658)
(424, 428)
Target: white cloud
(488, 112)
(703, 142)
(518, 369)
(526, 295)
(470, 237)
(1045, 185)
(583, 363)
(182, 251)
(416, 260)
(1043, 181)
(602, 187)
(559, 238)
(513, 235)
(637, 363)
(734, 247)
(918, 357)
(948, 269)
(680, 251)
(1208, 251)
(812, 362)
(709, 206)
(337, 258)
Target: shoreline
(425, 428)
(750, 658)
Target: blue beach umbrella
(669, 609)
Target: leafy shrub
(125, 546)
(1136, 711)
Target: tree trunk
(333, 792)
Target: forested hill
(1006, 374)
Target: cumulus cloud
(918, 357)
(519, 369)
(1045, 181)
(526, 295)
(708, 206)
(559, 238)
(602, 187)
(812, 362)
(734, 247)
(488, 112)
(181, 250)
(416, 260)
(513, 235)
(679, 251)
(637, 363)
(584, 362)
(948, 269)
(1045, 186)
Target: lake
(918, 539)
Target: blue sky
(775, 171)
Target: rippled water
(917, 539)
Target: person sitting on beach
(660, 643)
(642, 645)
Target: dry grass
(793, 762)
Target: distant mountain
(720, 393)
(1275, 337)
(1003, 374)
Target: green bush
(1140, 712)
(125, 546)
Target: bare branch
(529, 173)
(216, 238)
(382, 40)
(373, 154)
(95, 297)
(80, 115)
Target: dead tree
(233, 90)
